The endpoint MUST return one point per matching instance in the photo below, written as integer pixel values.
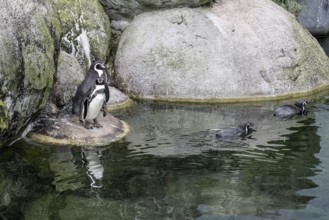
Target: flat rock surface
(70, 131)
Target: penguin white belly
(95, 106)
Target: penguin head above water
(301, 104)
(246, 127)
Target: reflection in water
(95, 169)
(66, 169)
(171, 166)
(165, 130)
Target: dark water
(171, 166)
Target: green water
(171, 166)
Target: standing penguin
(92, 95)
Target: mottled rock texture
(32, 69)
(237, 50)
(69, 76)
(70, 131)
(86, 30)
(29, 45)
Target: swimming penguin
(92, 95)
(235, 132)
(289, 110)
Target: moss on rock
(3, 116)
(29, 47)
(38, 69)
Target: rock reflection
(211, 184)
(66, 169)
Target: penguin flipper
(84, 104)
(83, 114)
(107, 93)
(82, 91)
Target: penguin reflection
(95, 169)
(92, 95)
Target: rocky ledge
(55, 126)
(69, 131)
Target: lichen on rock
(3, 116)
(86, 30)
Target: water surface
(171, 166)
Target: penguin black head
(99, 67)
(246, 127)
(302, 104)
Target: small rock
(69, 131)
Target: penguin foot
(87, 125)
(96, 124)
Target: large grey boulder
(69, 76)
(238, 50)
(315, 16)
(29, 45)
